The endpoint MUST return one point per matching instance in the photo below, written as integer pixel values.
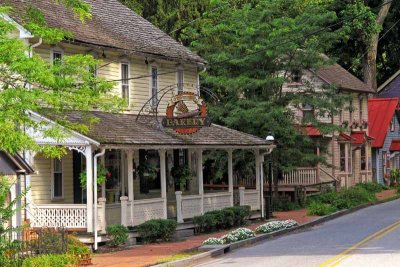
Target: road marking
(343, 255)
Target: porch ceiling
(121, 130)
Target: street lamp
(270, 139)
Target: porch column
(257, 154)
(262, 185)
(230, 174)
(89, 188)
(129, 159)
(200, 176)
(163, 175)
(318, 173)
(366, 147)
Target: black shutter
(76, 171)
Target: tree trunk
(369, 59)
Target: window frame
(363, 156)
(125, 81)
(179, 82)
(154, 101)
(56, 51)
(53, 172)
(342, 157)
(351, 107)
(360, 104)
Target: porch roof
(116, 129)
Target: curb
(218, 250)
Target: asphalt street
(368, 237)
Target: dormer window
(296, 76)
(56, 57)
(308, 113)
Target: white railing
(250, 198)
(64, 215)
(146, 209)
(300, 176)
(216, 201)
(191, 206)
(113, 213)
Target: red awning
(395, 145)
(360, 137)
(345, 137)
(380, 113)
(311, 131)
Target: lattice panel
(251, 199)
(216, 202)
(191, 207)
(144, 211)
(67, 217)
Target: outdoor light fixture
(270, 138)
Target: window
(360, 108)
(308, 113)
(363, 158)
(57, 179)
(349, 158)
(351, 111)
(125, 81)
(342, 153)
(392, 124)
(57, 57)
(154, 87)
(341, 116)
(296, 76)
(179, 78)
(112, 162)
(149, 171)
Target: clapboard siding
(378, 153)
(110, 69)
(41, 180)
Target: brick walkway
(150, 254)
(146, 255)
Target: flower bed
(275, 226)
(234, 236)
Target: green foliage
(320, 209)
(102, 173)
(146, 168)
(118, 234)
(395, 176)
(153, 230)
(345, 199)
(222, 219)
(76, 247)
(181, 174)
(49, 260)
(372, 187)
(284, 204)
(30, 83)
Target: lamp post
(270, 139)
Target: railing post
(179, 215)
(102, 214)
(241, 196)
(124, 209)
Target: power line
(268, 47)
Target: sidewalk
(146, 255)
(150, 254)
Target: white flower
(275, 226)
(214, 241)
(238, 234)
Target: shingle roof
(11, 165)
(391, 89)
(112, 25)
(123, 129)
(336, 75)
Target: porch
(132, 194)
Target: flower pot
(84, 259)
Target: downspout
(101, 153)
(198, 79)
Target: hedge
(157, 229)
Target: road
(368, 237)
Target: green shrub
(222, 219)
(320, 209)
(372, 187)
(118, 234)
(284, 204)
(76, 247)
(153, 230)
(353, 197)
(50, 260)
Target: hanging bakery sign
(186, 113)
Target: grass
(178, 256)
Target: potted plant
(102, 174)
(182, 175)
(148, 171)
(395, 177)
(345, 124)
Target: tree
(29, 83)
(253, 50)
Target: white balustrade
(53, 215)
(147, 209)
(101, 215)
(300, 176)
(250, 198)
(216, 201)
(191, 206)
